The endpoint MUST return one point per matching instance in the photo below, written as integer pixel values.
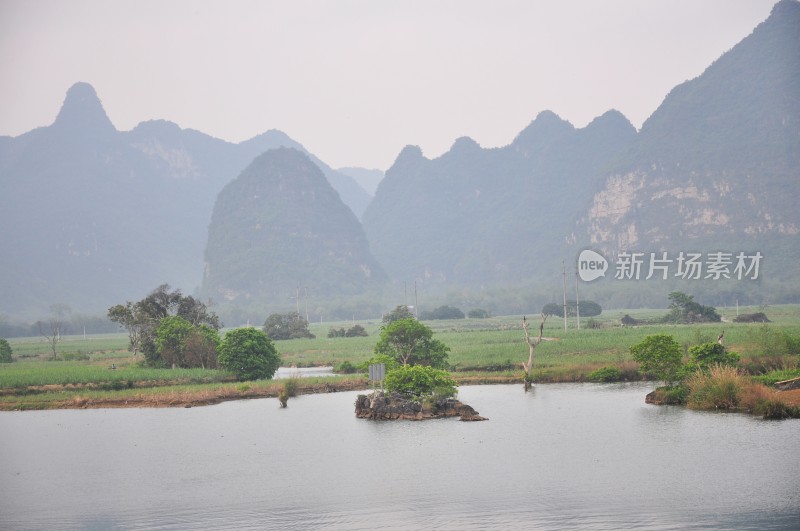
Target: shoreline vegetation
(98, 371)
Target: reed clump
(725, 387)
(719, 388)
(289, 389)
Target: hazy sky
(354, 81)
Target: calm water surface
(562, 456)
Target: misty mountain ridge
(101, 216)
(715, 168)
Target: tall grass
(719, 388)
(728, 388)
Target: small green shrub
(704, 356)
(676, 394)
(5, 351)
(345, 367)
(416, 381)
(605, 374)
(659, 355)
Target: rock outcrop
(393, 406)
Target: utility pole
(577, 301)
(307, 305)
(564, 271)
(416, 303)
(297, 299)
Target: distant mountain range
(714, 169)
(93, 216)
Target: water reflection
(302, 372)
(564, 456)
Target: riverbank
(72, 397)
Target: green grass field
(494, 344)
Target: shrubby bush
(248, 353)
(5, 351)
(411, 343)
(605, 374)
(419, 381)
(684, 309)
(703, 357)
(292, 325)
(400, 312)
(353, 331)
(758, 317)
(660, 356)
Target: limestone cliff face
(719, 159)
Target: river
(563, 456)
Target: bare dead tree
(54, 327)
(532, 344)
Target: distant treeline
(73, 325)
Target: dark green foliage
(133, 318)
(605, 374)
(683, 309)
(552, 308)
(478, 313)
(292, 325)
(675, 395)
(248, 353)
(411, 343)
(143, 318)
(353, 331)
(758, 317)
(400, 312)
(442, 312)
(337, 332)
(589, 308)
(627, 320)
(703, 357)
(345, 367)
(420, 381)
(660, 356)
(5, 351)
(181, 344)
(356, 331)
